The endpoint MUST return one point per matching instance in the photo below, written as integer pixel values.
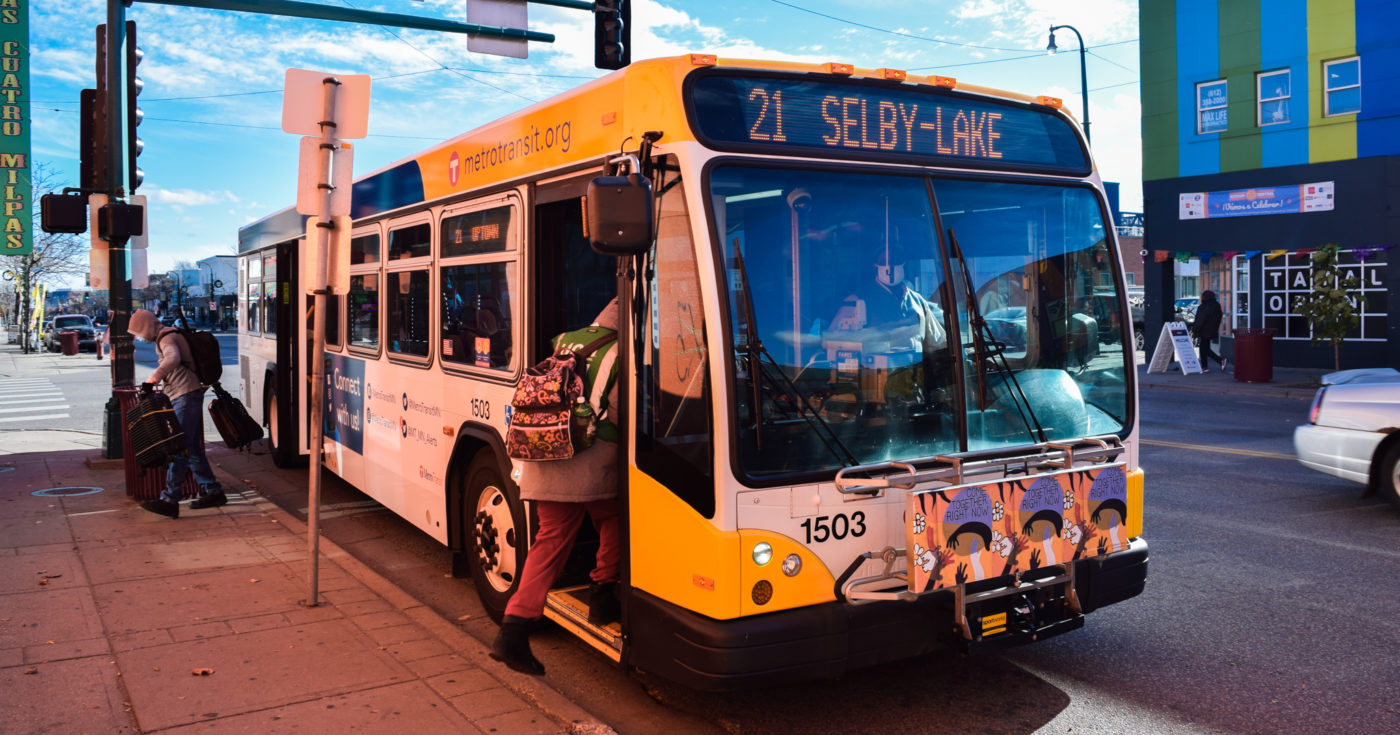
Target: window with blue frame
(1275, 87)
(1343, 86)
(1212, 107)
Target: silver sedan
(1353, 430)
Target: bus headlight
(792, 564)
(762, 553)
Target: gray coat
(587, 476)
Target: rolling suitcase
(155, 433)
(237, 428)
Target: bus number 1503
(837, 527)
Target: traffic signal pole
(119, 283)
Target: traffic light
(92, 130)
(612, 34)
(133, 111)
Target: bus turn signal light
(1054, 102)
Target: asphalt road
(70, 392)
(1270, 606)
(1269, 609)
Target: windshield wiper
(995, 352)
(757, 356)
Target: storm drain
(49, 492)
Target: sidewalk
(1293, 383)
(116, 620)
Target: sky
(216, 158)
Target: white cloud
(188, 197)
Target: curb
(1290, 392)
(561, 709)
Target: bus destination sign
(906, 123)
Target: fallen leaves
(201, 672)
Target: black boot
(603, 606)
(512, 646)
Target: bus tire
(495, 523)
(284, 454)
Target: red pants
(559, 524)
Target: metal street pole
(1083, 72)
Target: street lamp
(1083, 74)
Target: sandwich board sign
(1174, 343)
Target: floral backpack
(552, 414)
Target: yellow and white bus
(877, 391)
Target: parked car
(87, 334)
(1186, 309)
(1350, 434)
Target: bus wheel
(282, 455)
(496, 528)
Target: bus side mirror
(619, 215)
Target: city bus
(876, 396)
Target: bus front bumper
(828, 640)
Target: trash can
(68, 341)
(1254, 355)
(143, 483)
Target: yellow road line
(1221, 450)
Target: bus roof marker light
(762, 553)
(897, 75)
(703, 60)
(944, 82)
(845, 70)
(1054, 102)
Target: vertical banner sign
(18, 221)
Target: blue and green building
(1269, 128)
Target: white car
(1351, 430)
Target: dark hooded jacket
(1208, 316)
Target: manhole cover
(77, 490)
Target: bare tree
(55, 257)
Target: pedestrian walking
(563, 491)
(186, 393)
(1207, 329)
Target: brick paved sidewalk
(109, 617)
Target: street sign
(309, 191)
(1174, 342)
(303, 104)
(503, 13)
(334, 271)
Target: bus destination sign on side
(850, 119)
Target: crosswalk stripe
(35, 418)
(25, 395)
(31, 409)
(34, 400)
(25, 383)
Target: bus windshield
(863, 334)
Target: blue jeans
(189, 411)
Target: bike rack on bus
(953, 469)
(893, 583)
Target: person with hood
(1207, 328)
(562, 491)
(186, 394)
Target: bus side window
(475, 319)
(269, 295)
(363, 311)
(408, 312)
(252, 298)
